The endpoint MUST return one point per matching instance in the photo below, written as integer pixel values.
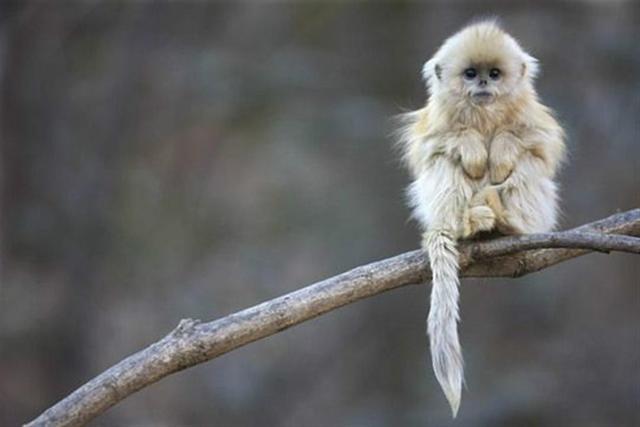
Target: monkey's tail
(442, 324)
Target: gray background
(169, 160)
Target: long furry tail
(442, 324)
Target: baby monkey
(483, 154)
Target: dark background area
(170, 160)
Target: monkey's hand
(504, 152)
(473, 155)
(490, 197)
(483, 213)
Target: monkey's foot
(489, 196)
(476, 219)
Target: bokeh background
(190, 159)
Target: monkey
(483, 156)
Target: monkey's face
(481, 83)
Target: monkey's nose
(483, 83)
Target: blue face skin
(481, 83)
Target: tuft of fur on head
(483, 46)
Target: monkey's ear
(430, 69)
(437, 69)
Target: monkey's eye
(470, 73)
(494, 73)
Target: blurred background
(190, 159)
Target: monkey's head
(480, 65)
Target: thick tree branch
(193, 342)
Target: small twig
(193, 342)
(565, 239)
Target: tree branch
(193, 342)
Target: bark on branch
(193, 342)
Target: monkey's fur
(483, 154)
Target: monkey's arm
(507, 148)
(504, 152)
(547, 144)
(423, 140)
(467, 148)
(528, 196)
(462, 147)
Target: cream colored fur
(483, 154)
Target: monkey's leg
(440, 196)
